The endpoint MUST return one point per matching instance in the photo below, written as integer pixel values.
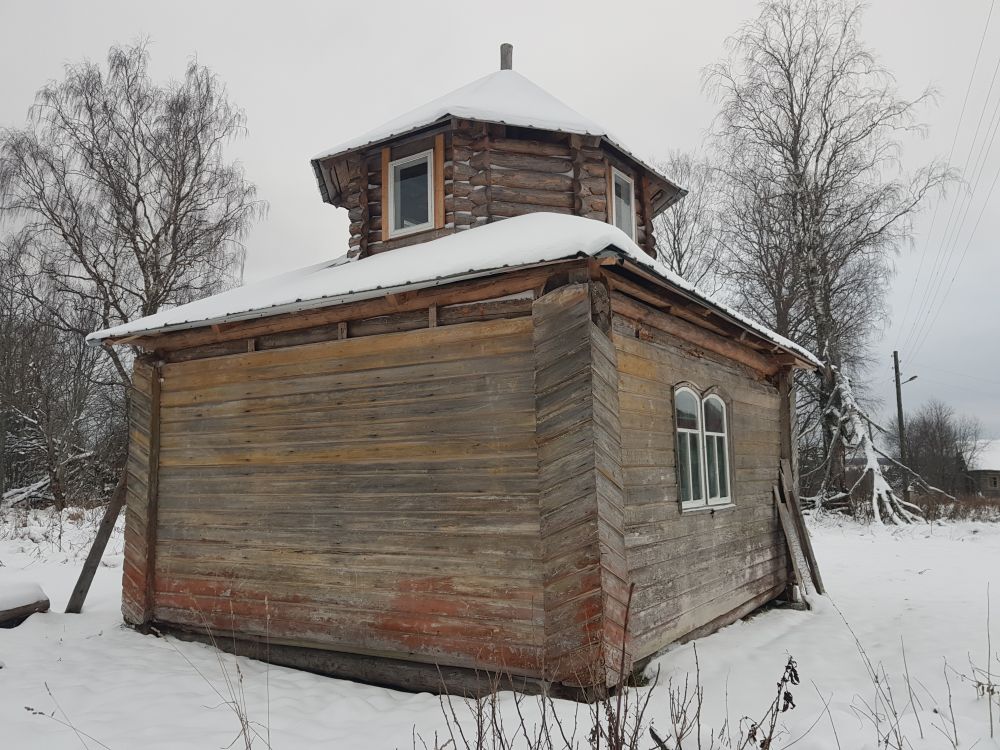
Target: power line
(961, 387)
(923, 366)
(924, 326)
(960, 261)
(954, 141)
(951, 243)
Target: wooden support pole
(82, 588)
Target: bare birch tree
(116, 200)
(688, 236)
(810, 135)
(118, 195)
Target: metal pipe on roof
(506, 56)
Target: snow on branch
(35, 491)
(885, 504)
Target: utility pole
(899, 416)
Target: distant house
(986, 475)
(458, 447)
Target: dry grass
(963, 508)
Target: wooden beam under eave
(473, 290)
(624, 305)
(698, 312)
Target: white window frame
(613, 210)
(686, 468)
(720, 499)
(701, 436)
(396, 165)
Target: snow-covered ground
(924, 587)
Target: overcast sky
(311, 75)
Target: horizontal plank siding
(581, 493)
(694, 569)
(376, 496)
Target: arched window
(702, 460)
(687, 416)
(716, 450)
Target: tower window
(623, 202)
(411, 194)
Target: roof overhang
(330, 189)
(315, 304)
(516, 244)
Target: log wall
(695, 570)
(489, 173)
(374, 495)
(582, 498)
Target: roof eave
(677, 191)
(321, 181)
(794, 358)
(321, 302)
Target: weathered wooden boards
(374, 495)
(705, 567)
(472, 494)
(141, 494)
(794, 524)
(581, 495)
(484, 172)
(800, 568)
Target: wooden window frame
(701, 436)
(690, 434)
(720, 500)
(612, 208)
(391, 168)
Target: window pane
(687, 410)
(683, 466)
(623, 205)
(713, 468)
(723, 478)
(410, 195)
(714, 419)
(695, 468)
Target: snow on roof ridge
(503, 96)
(512, 243)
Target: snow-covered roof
(504, 97)
(512, 243)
